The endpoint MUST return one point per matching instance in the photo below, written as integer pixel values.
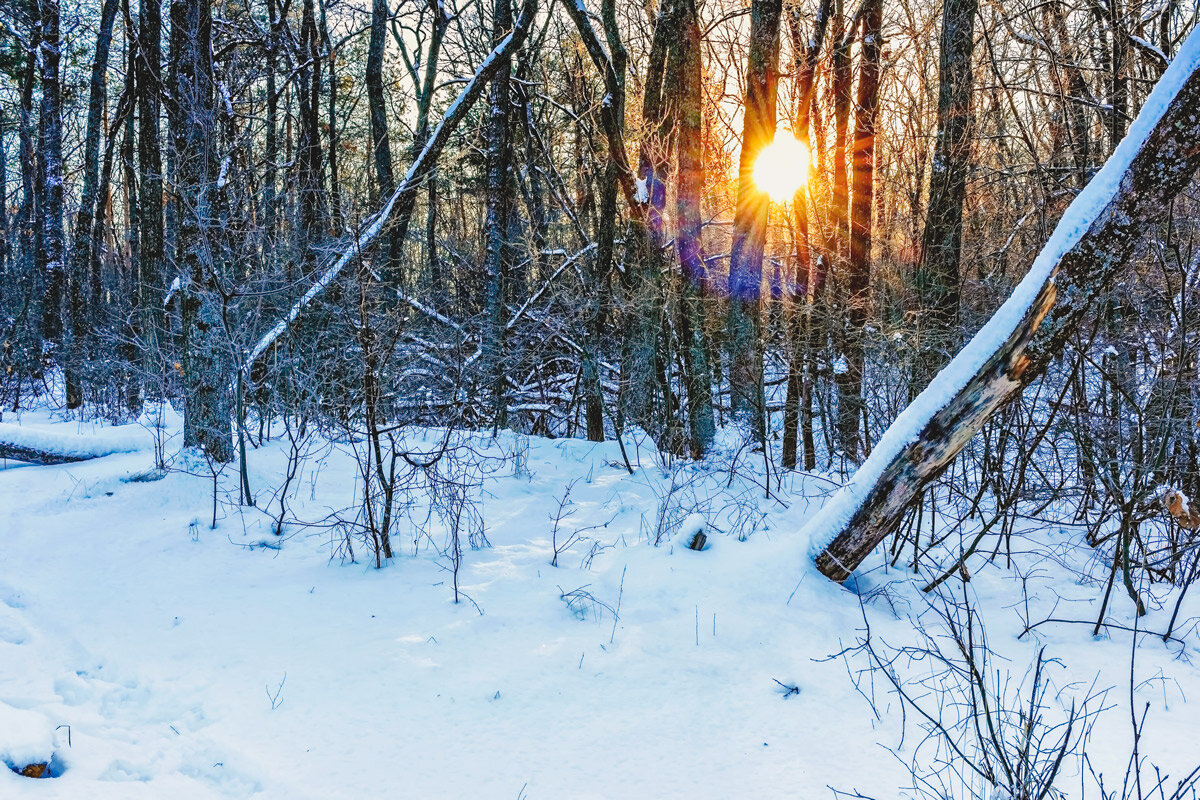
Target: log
(20, 443)
(1091, 243)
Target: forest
(902, 293)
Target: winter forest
(382, 380)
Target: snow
(26, 737)
(1087, 205)
(416, 172)
(98, 441)
(229, 663)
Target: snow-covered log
(34, 446)
(399, 206)
(1096, 235)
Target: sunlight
(782, 167)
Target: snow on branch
(403, 200)
(1093, 239)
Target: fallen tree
(1091, 243)
(20, 443)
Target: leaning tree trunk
(399, 207)
(941, 247)
(1064, 286)
(750, 221)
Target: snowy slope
(163, 644)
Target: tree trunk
(310, 174)
(750, 221)
(798, 400)
(1064, 286)
(151, 285)
(941, 248)
(51, 222)
(694, 280)
(858, 273)
(86, 239)
(498, 146)
(335, 190)
(206, 362)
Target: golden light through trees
(782, 167)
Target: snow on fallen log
(1095, 236)
(40, 446)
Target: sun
(782, 167)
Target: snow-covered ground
(147, 655)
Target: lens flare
(782, 167)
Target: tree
(941, 247)
(858, 272)
(498, 149)
(750, 221)
(1064, 285)
(206, 357)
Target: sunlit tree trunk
(858, 272)
(750, 221)
(798, 401)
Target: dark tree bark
(52, 246)
(695, 283)
(310, 174)
(498, 148)
(1078, 280)
(130, 304)
(150, 278)
(798, 400)
(270, 189)
(335, 188)
(941, 248)
(86, 239)
(858, 273)
(206, 362)
(376, 102)
(4, 230)
(750, 221)
(381, 146)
